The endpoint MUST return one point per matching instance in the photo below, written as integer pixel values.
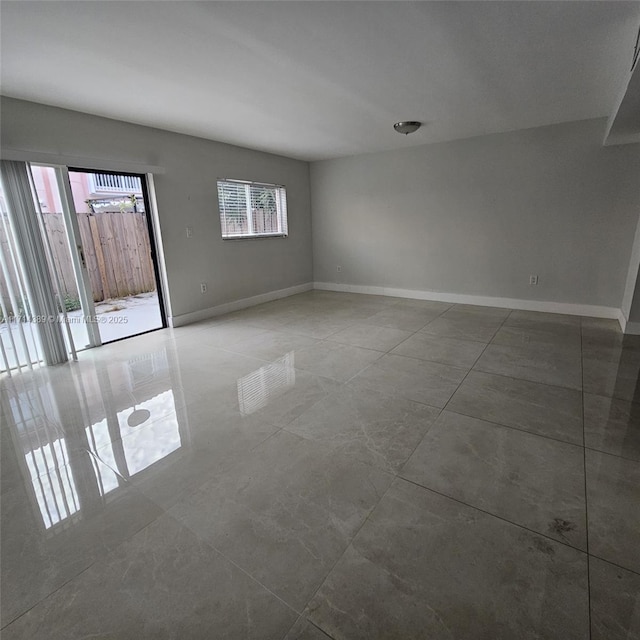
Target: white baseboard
(622, 320)
(236, 305)
(628, 328)
(590, 310)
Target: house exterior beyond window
(252, 209)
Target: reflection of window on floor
(45, 429)
(139, 446)
(143, 369)
(146, 444)
(257, 389)
(46, 455)
(53, 485)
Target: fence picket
(116, 248)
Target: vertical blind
(249, 209)
(31, 329)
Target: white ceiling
(321, 79)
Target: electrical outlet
(533, 280)
(203, 287)
(338, 268)
(189, 232)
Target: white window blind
(252, 209)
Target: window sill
(256, 236)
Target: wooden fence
(116, 249)
(264, 221)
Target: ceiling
(315, 80)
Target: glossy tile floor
(329, 466)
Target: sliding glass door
(116, 234)
(77, 262)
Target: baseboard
(590, 310)
(593, 311)
(236, 305)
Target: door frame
(152, 243)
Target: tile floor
(329, 466)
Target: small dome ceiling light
(407, 127)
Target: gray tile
(612, 425)
(419, 380)
(427, 305)
(370, 336)
(568, 336)
(613, 496)
(270, 345)
(285, 513)
(626, 351)
(403, 317)
(304, 630)
(203, 374)
(274, 393)
(56, 526)
(461, 310)
(600, 324)
(424, 566)
(163, 583)
(225, 422)
(539, 408)
(543, 321)
(532, 481)
(224, 335)
(213, 441)
(598, 332)
(549, 365)
(612, 372)
(451, 351)
(316, 326)
(376, 429)
(265, 317)
(467, 326)
(357, 312)
(333, 360)
(615, 602)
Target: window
(252, 209)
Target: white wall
(478, 216)
(186, 196)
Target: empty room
(320, 320)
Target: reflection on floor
(329, 466)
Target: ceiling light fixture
(407, 127)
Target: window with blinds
(252, 209)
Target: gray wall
(478, 216)
(631, 299)
(186, 196)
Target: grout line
(102, 557)
(313, 624)
(471, 368)
(614, 564)
(51, 593)
(202, 540)
(493, 515)
(519, 429)
(544, 384)
(348, 546)
(584, 462)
